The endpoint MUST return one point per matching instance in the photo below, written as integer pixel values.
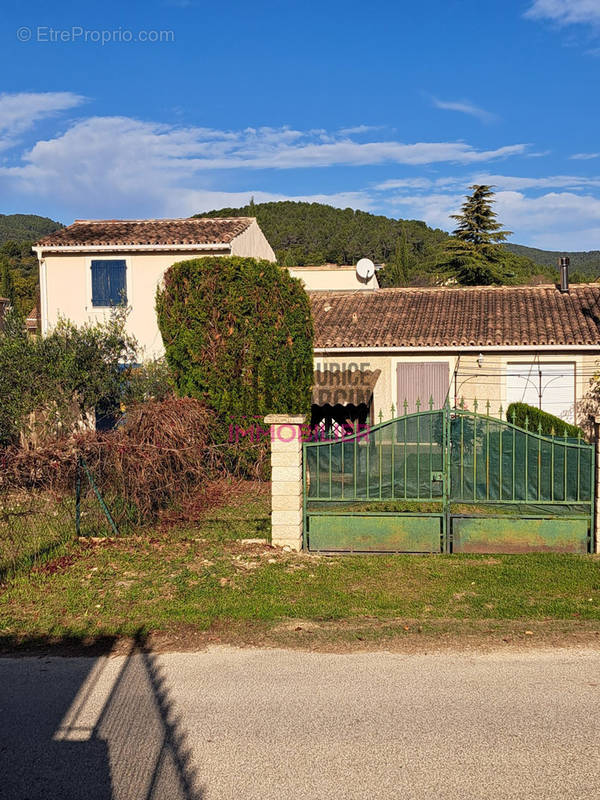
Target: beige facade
(66, 282)
(331, 278)
(481, 375)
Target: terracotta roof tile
(83, 233)
(458, 317)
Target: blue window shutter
(109, 282)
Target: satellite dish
(365, 269)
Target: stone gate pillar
(286, 477)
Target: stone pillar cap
(285, 419)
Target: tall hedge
(238, 336)
(518, 412)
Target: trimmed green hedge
(517, 412)
(238, 336)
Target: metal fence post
(596, 531)
(78, 496)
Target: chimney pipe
(563, 268)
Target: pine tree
(475, 257)
(477, 224)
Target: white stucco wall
(66, 290)
(331, 279)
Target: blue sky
(391, 107)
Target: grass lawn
(206, 584)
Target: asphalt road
(230, 723)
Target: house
(395, 350)
(378, 352)
(93, 265)
(32, 322)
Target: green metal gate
(448, 480)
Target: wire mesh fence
(33, 524)
(36, 519)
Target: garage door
(553, 383)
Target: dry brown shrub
(163, 463)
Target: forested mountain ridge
(314, 233)
(25, 227)
(585, 262)
(18, 265)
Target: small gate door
(514, 490)
(382, 489)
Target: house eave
(44, 250)
(496, 348)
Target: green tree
(64, 375)
(475, 256)
(477, 222)
(238, 336)
(7, 287)
(399, 270)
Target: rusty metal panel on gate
(375, 533)
(520, 535)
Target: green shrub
(518, 412)
(60, 376)
(238, 336)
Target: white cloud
(509, 182)
(21, 111)
(404, 183)
(360, 129)
(465, 107)
(566, 12)
(513, 182)
(109, 165)
(584, 156)
(252, 148)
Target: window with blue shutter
(109, 282)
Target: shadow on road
(91, 727)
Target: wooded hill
(304, 234)
(18, 265)
(586, 263)
(25, 227)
